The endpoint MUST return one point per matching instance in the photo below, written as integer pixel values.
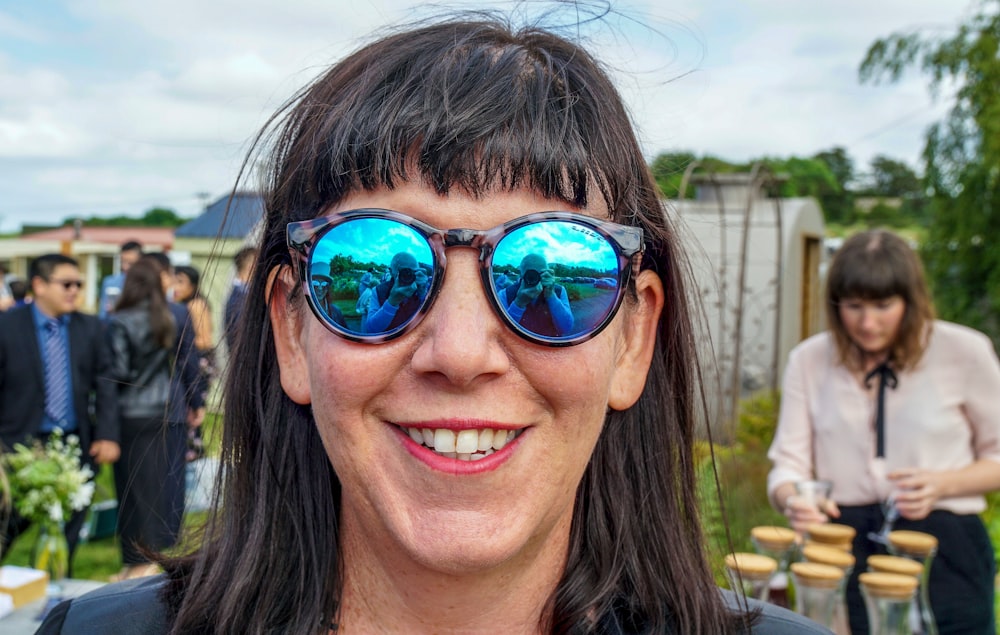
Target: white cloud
(128, 104)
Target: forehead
(460, 209)
(64, 271)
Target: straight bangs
(869, 275)
(489, 109)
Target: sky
(112, 107)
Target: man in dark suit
(54, 373)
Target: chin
(462, 545)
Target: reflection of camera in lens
(531, 278)
(405, 277)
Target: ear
(286, 324)
(639, 342)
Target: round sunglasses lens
(556, 279)
(369, 276)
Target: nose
(869, 316)
(460, 341)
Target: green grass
(99, 559)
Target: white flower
(81, 497)
(47, 482)
(56, 511)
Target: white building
(772, 250)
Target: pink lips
(457, 467)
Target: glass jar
(778, 543)
(51, 554)
(921, 548)
(832, 535)
(843, 560)
(888, 600)
(816, 587)
(816, 493)
(750, 574)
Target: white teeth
(465, 445)
(444, 440)
(466, 442)
(485, 440)
(499, 440)
(482, 455)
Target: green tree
(889, 178)
(155, 217)
(803, 176)
(838, 205)
(961, 157)
(668, 170)
(162, 217)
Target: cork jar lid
(773, 537)
(889, 585)
(895, 564)
(831, 533)
(826, 554)
(915, 543)
(817, 575)
(751, 565)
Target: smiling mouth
(464, 445)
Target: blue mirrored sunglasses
(554, 278)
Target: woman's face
(873, 324)
(461, 373)
(183, 289)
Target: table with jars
(808, 574)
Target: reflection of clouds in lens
(372, 240)
(558, 242)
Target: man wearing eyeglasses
(54, 373)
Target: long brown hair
(144, 288)
(876, 265)
(525, 109)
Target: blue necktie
(58, 397)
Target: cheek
(896, 319)
(573, 380)
(347, 378)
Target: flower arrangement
(48, 482)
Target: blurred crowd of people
(131, 382)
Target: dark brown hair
(876, 265)
(472, 105)
(144, 288)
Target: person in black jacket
(155, 365)
(33, 402)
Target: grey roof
(244, 212)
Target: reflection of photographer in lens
(321, 282)
(399, 297)
(536, 302)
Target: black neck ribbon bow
(886, 378)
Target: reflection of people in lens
(399, 297)
(321, 282)
(536, 302)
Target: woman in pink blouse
(893, 406)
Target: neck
(388, 592)
(870, 361)
(47, 313)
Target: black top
(136, 607)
